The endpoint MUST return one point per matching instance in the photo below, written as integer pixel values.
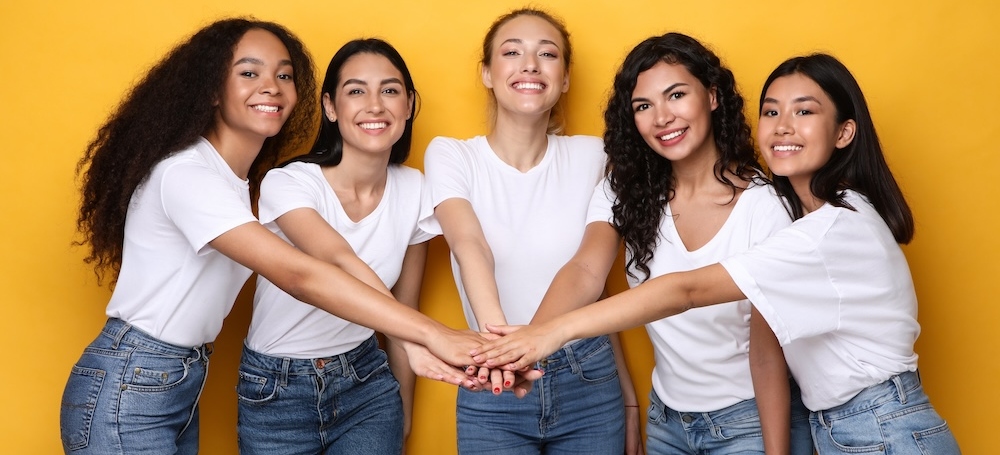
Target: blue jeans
(348, 403)
(893, 418)
(132, 393)
(576, 407)
(731, 430)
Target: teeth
(786, 148)
(263, 108)
(670, 136)
(528, 86)
(373, 125)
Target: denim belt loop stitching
(344, 371)
(822, 420)
(571, 359)
(900, 392)
(117, 337)
(286, 363)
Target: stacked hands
(498, 360)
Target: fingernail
(506, 383)
(496, 390)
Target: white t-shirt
(836, 290)
(285, 327)
(173, 285)
(533, 221)
(702, 355)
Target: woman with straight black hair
(834, 286)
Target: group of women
(802, 261)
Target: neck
(810, 203)
(359, 172)
(520, 142)
(696, 173)
(238, 151)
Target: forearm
(581, 281)
(400, 367)
(770, 384)
(624, 376)
(475, 263)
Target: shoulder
(580, 143)
(444, 144)
(405, 174)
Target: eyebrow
(391, 80)
(796, 100)
(520, 41)
(257, 61)
(665, 91)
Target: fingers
(502, 329)
(496, 381)
(484, 375)
(508, 379)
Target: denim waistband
(574, 352)
(121, 332)
(290, 366)
(894, 388)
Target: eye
(677, 95)
(803, 112)
(286, 77)
(548, 54)
(355, 91)
(510, 53)
(640, 107)
(248, 73)
(390, 91)
(768, 113)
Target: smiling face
(798, 130)
(527, 73)
(259, 92)
(673, 112)
(370, 104)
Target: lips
(672, 135)
(373, 125)
(528, 86)
(266, 108)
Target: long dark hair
(557, 118)
(328, 149)
(167, 111)
(643, 180)
(860, 166)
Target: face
(259, 93)
(673, 112)
(371, 104)
(798, 130)
(526, 72)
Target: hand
(453, 346)
(498, 379)
(519, 347)
(633, 438)
(426, 365)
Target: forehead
(364, 64)
(529, 28)
(665, 73)
(260, 43)
(794, 86)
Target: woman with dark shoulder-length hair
(834, 286)
(166, 213)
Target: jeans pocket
(937, 441)
(599, 366)
(254, 389)
(858, 433)
(78, 404)
(149, 372)
(369, 364)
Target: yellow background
(929, 70)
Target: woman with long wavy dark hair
(834, 286)
(684, 189)
(166, 213)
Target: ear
(328, 108)
(565, 87)
(846, 136)
(487, 77)
(713, 97)
(412, 99)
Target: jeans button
(687, 418)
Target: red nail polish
(506, 384)
(496, 390)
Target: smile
(786, 148)
(528, 86)
(373, 125)
(669, 136)
(263, 108)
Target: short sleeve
(786, 278)
(283, 190)
(203, 204)
(601, 203)
(447, 170)
(427, 226)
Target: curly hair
(328, 149)
(643, 180)
(167, 111)
(861, 165)
(557, 120)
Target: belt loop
(344, 363)
(120, 334)
(571, 359)
(900, 390)
(821, 418)
(285, 364)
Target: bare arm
(475, 259)
(407, 291)
(657, 298)
(336, 291)
(581, 281)
(633, 435)
(770, 386)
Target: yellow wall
(929, 70)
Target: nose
(530, 64)
(269, 84)
(664, 115)
(375, 104)
(783, 125)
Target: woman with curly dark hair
(166, 212)
(684, 189)
(834, 286)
